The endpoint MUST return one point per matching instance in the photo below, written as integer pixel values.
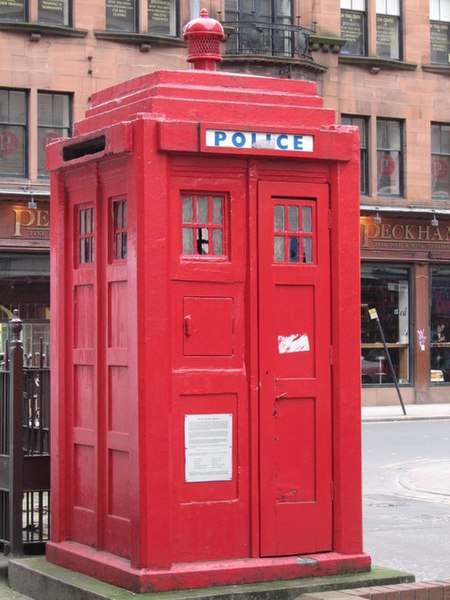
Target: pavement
(414, 412)
(416, 481)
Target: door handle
(281, 396)
(187, 325)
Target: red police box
(205, 319)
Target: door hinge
(331, 355)
(332, 490)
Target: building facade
(382, 65)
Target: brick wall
(429, 590)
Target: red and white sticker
(297, 342)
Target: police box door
(295, 371)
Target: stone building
(382, 65)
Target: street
(406, 496)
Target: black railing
(267, 39)
(24, 447)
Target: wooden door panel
(295, 372)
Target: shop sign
(18, 222)
(404, 236)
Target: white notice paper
(208, 441)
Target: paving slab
(42, 580)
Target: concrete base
(193, 575)
(41, 580)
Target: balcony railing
(266, 39)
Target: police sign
(258, 140)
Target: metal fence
(269, 39)
(24, 447)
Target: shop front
(25, 271)
(405, 276)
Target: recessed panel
(208, 326)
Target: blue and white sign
(259, 140)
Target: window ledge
(282, 61)
(438, 69)
(38, 29)
(376, 64)
(325, 43)
(138, 38)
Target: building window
(440, 31)
(386, 288)
(389, 158)
(13, 133)
(263, 27)
(86, 239)
(388, 29)
(163, 17)
(54, 12)
(362, 124)
(203, 225)
(120, 224)
(121, 15)
(293, 232)
(53, 122)
(440, 324)
(354, 27)
(13, 10)
(440, 161)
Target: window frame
(194, 225)
(388, 150)
(347, 6)
(61, 131)
(438, 156)
(389, 13)
(25, 127)
(364, 179)
(439, 22)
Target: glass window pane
(17, 108)
(279, 218)
(188, 213)
(202, 240)
(82, 252)
(307, 250)
(45, 109)
(125, 214)
(217, 210)
(55, 12)
(188, 240)
(118, 246)
(13, 10)
(217, 240)
(121, 15)
(88, 220)
(388, 173)
(12, 150)
(434, 10)
(293, 249)
(81, 224)
(445, 137)
(117, 215)
(353, 32)
(202, 210)
(440, 325)
(293, 218)
(60, 110)
(124, 244)
(306, 219)
(385, 288)
(388, 42)
(445, 10)
(162, 17)
(278, 249)
(393, 7)
(359, 5)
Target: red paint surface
(142, 341)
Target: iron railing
(268, 39)
(24, 447)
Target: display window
(385, 288)
(440, 324)
(25, 285)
